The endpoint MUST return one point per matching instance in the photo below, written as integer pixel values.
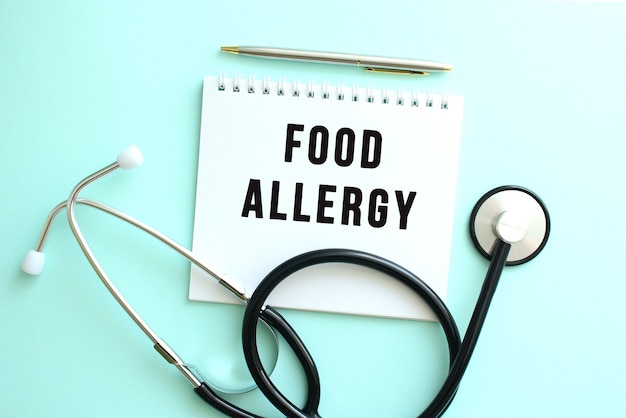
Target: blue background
(79, 81)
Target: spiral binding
(338, 92)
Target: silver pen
(369, 62)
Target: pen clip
(394, 71)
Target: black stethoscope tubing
(459, 352)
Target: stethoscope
(509, 225)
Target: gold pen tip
(447, 67)
(231, 49)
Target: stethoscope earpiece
(514, 215)
(33, 262)
(131, 157)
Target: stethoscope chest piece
(514, 215)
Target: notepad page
(285, 168)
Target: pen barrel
(358, 60)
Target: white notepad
(286, 167)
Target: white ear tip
(33, 262)
(130, 158)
